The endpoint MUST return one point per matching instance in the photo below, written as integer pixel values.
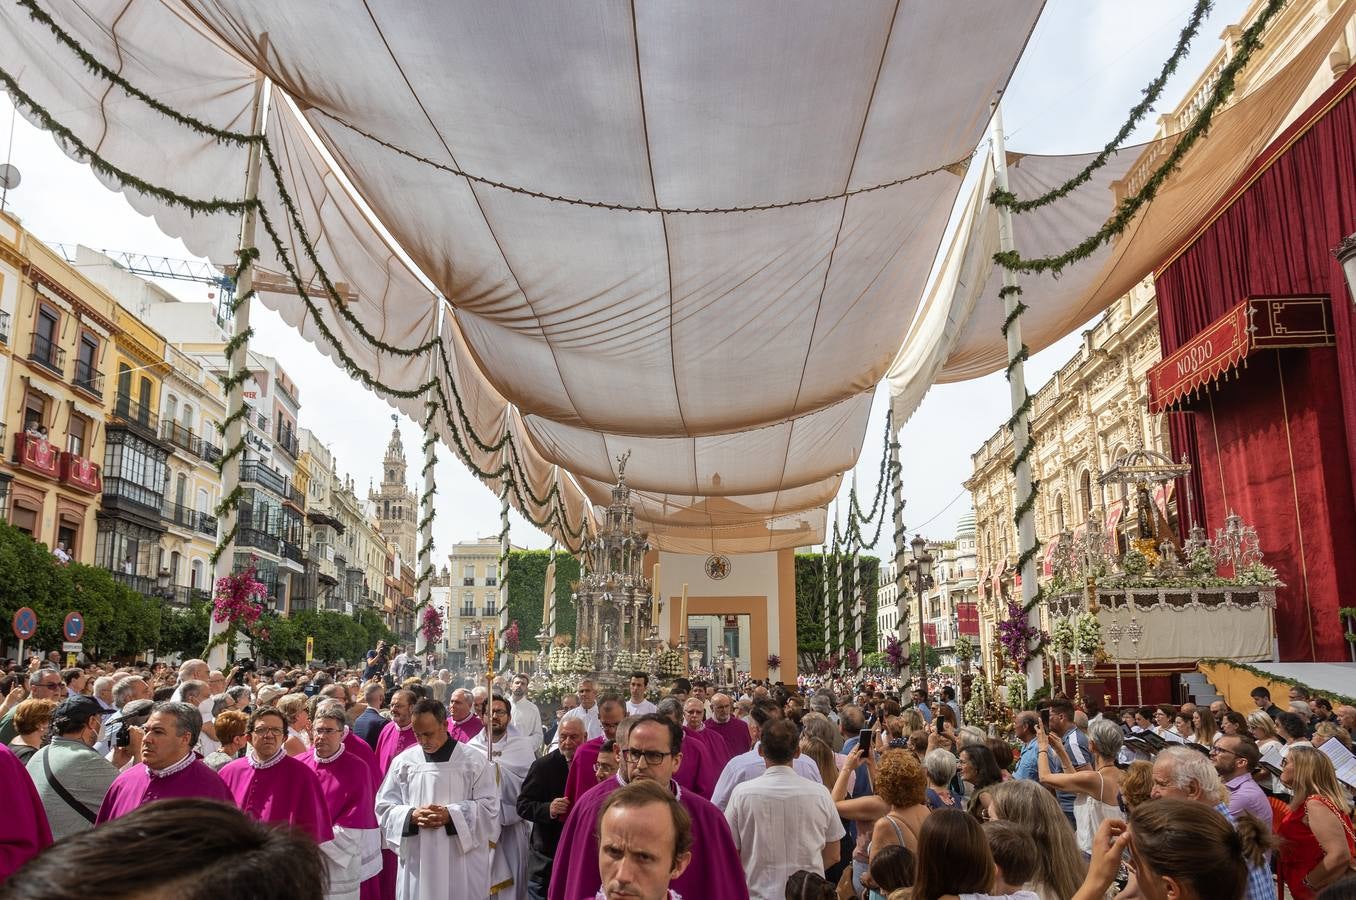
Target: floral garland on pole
(238, 601)
(896, 652)
(512, 637)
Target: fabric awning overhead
(698, 231)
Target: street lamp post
(922, 574)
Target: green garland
(1151, 95)
(1130, 206)
(556, 519)
(1337, 699)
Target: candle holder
(543, 669)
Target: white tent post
(1026, 526)
(425, 553)
(238, 363)
(503, 564)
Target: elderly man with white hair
(1181, 773)
(103, 692)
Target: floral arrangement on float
(561, 658)
(583, 661)
(670, 663)
(1015, 688)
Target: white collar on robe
(329, 759)
(174, 769)
(265, 763)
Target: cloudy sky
(1085, 66)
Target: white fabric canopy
(957, 333)
(733, 352)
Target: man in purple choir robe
(274, 787)
(654, 751)
(581, 778)
(354, 855)
(733, 731)
(24, 832)
(398, 735)
(699, 772)
(168, 767)
(462, 722)
(645, 842)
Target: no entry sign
(25, 623)
(74, 627)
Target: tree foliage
(527, 589)
(810, 606)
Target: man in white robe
(513, 755)
(439, 811)
(526, 715)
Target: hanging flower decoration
(823, 667)
(964, 648)
(432, 625)
(896, 652)
(512, 637)
(1015, 633)
(854, 660)
(1016, 690)
(239, 599)
(774, 662)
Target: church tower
(396, 505)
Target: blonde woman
(822, 755)
(293, 708)
(1060, 868)
(1327, 731)
(1318, 846)
(1263, 730)
(1204, 728)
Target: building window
(171, 407)
(1085, 489)
(188, 416)
(77, 432)
(125, 380)
(134, 468)
(35, 412)
(125, 547)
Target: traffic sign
(72, 647)
(74, 626)
(25, 623)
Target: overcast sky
(1086, 65)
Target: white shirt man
(782, 823)
(748, 766)
(438, 808)
(638, 704)
(587, 710)
(526, 715)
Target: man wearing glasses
(169, 767)
(43, 684)
(654, 746)
(274, 787)
(512, 754)
(1235, 758)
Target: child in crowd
(1014, 859)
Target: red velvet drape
(1277, 444)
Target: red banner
(967, 618)
(930, 634)
(81, 474)
(1258, 322)
(36, 454)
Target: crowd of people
(377, 782)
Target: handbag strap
(64, 794)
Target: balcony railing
(47, 354)
(287, 440)
(180, 515)
(133, 412)
(206, 524)
(491, 580)
(468, 581)
(263, 476)
(121, 489)
(180, 436)
(79, 473)
(262, 540)
(88, 379)
(295, 497)
(4, 327)
(291, 551)
(36, 453)
(489, 611)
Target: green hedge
(810, 606)
(527, 589)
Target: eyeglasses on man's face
(266, 730)
(651, 757)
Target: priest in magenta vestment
(273, 786)
(24, 832)
(168, 766)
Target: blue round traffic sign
(74, 627)
(25, 623)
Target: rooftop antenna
(9, 175)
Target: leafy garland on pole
(511, 467)
(1128, 208)
(1151, 95)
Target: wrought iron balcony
(147, 500)
(263, 476)
(295, 497)
(88, 379)
(468, 581)
(206, 524)
(287, 440)
(489, 611)
(291, 551)
(183, 516)
(134, 413)
(180, 436)
(467, 612)
(48, 355)
(261, 540)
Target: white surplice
(435, 865)
(513, 756)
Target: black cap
(74, 712)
